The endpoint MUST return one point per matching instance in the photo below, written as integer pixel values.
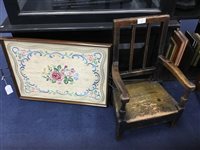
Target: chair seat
(148, 100)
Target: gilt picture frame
(59, 71)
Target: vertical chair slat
(146, 46)
(116, 41)
(163, 35)
(132, 48)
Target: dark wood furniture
(50, 15)
(76, 11)
(28, 16)
(138, 97)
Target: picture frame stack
(176, 48)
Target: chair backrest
(148, 22)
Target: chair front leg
(122, 122)
(122, 111)
(184, 99)
(181, 104)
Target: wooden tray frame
(56, 42)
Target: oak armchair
(142, 101)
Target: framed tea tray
(59, 71)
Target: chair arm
(119, 83)
(177, 74)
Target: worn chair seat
(148, 100)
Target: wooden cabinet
(51, 15)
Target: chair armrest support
(119, 83)
(177, 73)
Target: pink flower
(90, 57)
(56, 75)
